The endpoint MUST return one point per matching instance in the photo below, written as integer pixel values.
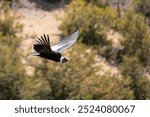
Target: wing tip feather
(43, 40)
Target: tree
(120, 5)
(99, 3)
(90, 20)
(11, 70)
(135, 45)
(77, 79)
(107, 87)
(143, 7)
(136, 36)
(63, 80)
(140, 84)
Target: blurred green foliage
(11, 70)
(107, 87)
(136, 36)
(132, 68)
(143, 6)
(63, 80)
(80, 77)
(77, 79)
(56, 1)
(100, 3)
(135, 43)
(90, 20)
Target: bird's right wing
(42, 44)
(66, 43)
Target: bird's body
(43, 49)
(55, 56)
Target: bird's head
(63, 59)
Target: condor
(43, 49)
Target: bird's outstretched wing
(66, 43)
(42, 44)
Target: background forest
(83, 77)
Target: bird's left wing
(42, 44)
(66, 43)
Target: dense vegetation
(11, 70)
(80, 78)
(133, 55)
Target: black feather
(39, 41)
(48, 38)
(45, 39)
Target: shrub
(131, 67)
(106, 87)
(143, 6)
(11, 70)
(136, 36)
(63, 80)
(100, 3)
(55, 1)
(90, 20)
(77, 79)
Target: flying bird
(43, 48)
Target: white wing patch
(66, 43)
